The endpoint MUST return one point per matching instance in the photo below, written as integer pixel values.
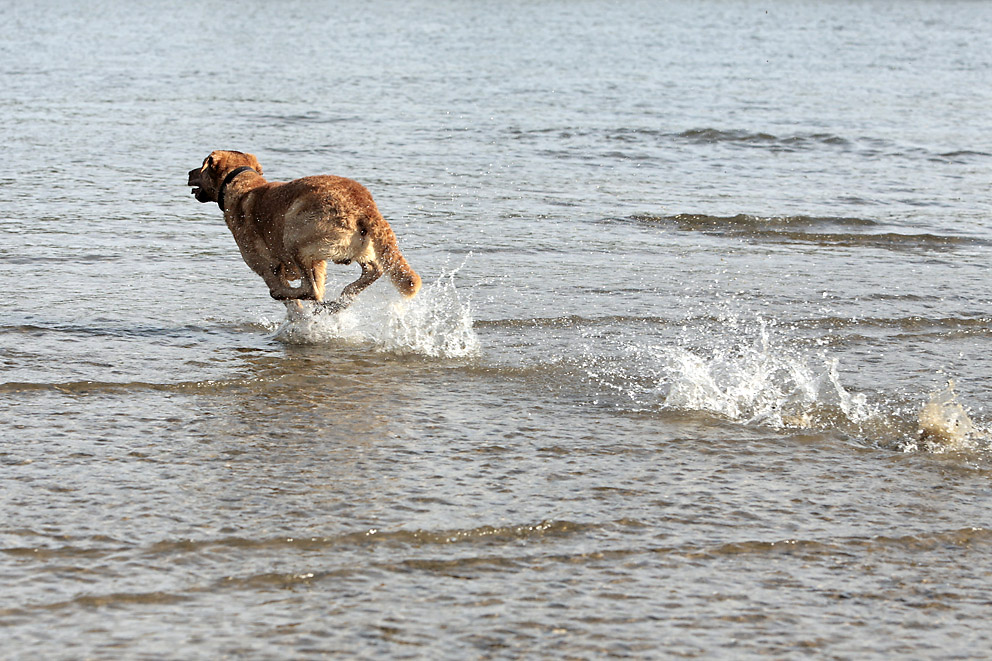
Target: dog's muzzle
(194, 181)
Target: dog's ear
(255, 165)
(211, 160)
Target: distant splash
(742, 372)
(760, 383)
(436, 323)
(749, 374)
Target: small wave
(863, 328)
(488, 535)
(747, 223)
(819, 231)
(911, 323)
(122, 387)
(436, 323)
(101, 547)
(914, 325)
(309, 117)
(866, 146)
(115, 330)
(744, 138)
(571, 321)
(95, 601)
(962, 538)
(962, 156)
(589, 144)
(795, 142)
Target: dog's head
(207, 179)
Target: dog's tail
(402, 275)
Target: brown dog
(288, 231)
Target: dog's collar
(228, 179)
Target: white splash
(748, 375)
(760, 382)
(435, 323)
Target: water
(698, 277)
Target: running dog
(288, 231)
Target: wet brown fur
(289, 231)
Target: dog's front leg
(281, 290)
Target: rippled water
(699, 368)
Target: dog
(288, 231)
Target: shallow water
(697, 276)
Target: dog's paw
(330, 307)
(296, 311)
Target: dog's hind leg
(370, 273)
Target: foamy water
(749, 373)
(437, 323)
(756, 381)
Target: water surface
(697, 277)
